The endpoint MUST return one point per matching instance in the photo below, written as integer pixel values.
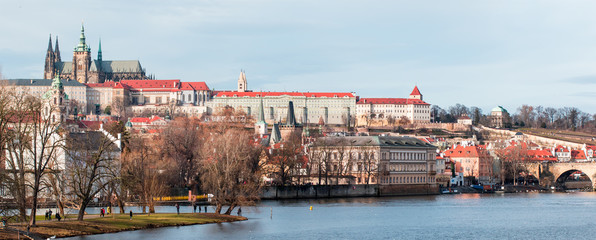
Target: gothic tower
(261, 125)
(48, 72)
(242, 82)
(81, 59)
(57, 57)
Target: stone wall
(408, 189)
(338, 191)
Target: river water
(464, 216)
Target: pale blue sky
(478, 53)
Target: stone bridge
(549, 173)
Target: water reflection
(466, 216)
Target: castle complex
(97, 86)
(86, 70)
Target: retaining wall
(338, 191)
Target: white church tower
(242, 82)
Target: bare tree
(119, 107)
(230, 169)
(35, 143)
(13, 153)
(91, 161)
(181, 142)
(142, 172)
(288, 159)
(370, 164)
(404, 121)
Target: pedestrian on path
(46, 218)
(109, 210)
(239, 211)
(50, 215)
(178, 208)
(130, 215)
(205, 209)
(194, 207)
(101, 212)
(58, 216)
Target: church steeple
(261, 125)
(242, 82)
(48, 72)
(50, 46)
(99, 55)
(82, 46)
(57, 57)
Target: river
(464, 216)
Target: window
(157, 100)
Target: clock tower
(81, 59)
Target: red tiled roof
(467, 152)
(274, 94)
(578, 154)
(94, 125)
(139, 119)
(153, 85)
(415, 91)
(145, 120)
(149, 84)
(560, 148)
(540, 155)
(193, 86)
(391, 101)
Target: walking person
(239, 211)
(199, 209)
(130, 215)
(101, 212)
(178, 208)
(205, 209)
(46, 217)
(194, 207)
(58, 216)
(50, 215)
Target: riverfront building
(391, 162)
(475, 161)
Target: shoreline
(119, 223)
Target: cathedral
(87, 70)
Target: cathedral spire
(99, 55)
(50, 45)
(57, 52)
(48, 72)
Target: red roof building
(414, 109)
(475, 160)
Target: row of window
(407, 167)
(409, 179)
(406, 156)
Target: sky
(477, 53)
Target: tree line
(564, 118)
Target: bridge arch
(573, 178)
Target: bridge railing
(181, 198)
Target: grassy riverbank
(121, 222)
